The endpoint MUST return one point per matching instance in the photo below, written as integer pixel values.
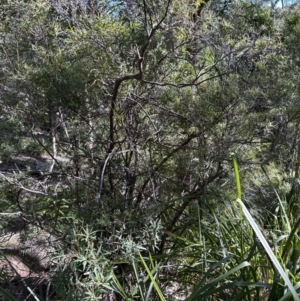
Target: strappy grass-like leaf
(261, 236)
(7, 294)
(202, 290)
(153, 281)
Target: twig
(11, 213)
(21, 186)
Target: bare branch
(18, 184)
(10, 213)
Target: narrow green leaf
(200, 288)
(288, 294)
(237, 177)
(7, 294)
(159, 292)
(138, 280)
(119, 287)
(285, 216)
(288, 244)
(268, 250)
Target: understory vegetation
(119, 122)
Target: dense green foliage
(118, 120)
